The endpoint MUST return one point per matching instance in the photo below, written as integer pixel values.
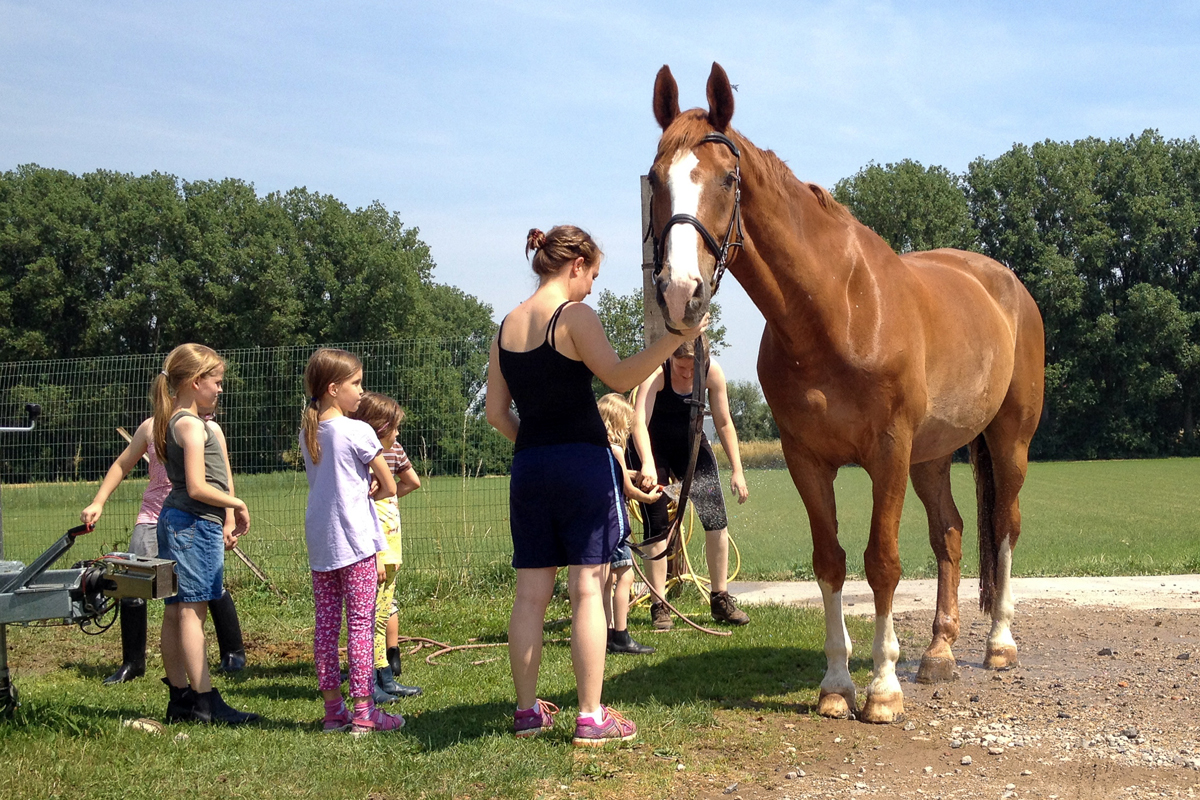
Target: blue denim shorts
(622, 556)
(197, 546)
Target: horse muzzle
(683, 302)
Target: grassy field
(696, 700)
(1079, 518)
(67, 738)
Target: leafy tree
(912, 207)
(751, 416)
(623, 318)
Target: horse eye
(730, 179)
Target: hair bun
(534, 240)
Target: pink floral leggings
(354, 586)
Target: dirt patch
(1105, 704)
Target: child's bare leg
(609, 606)
(622, 585)
(191, 645)
(392, 637)
(169, 645)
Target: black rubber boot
(211, 709)
(181, 705)
(393, 659)
(229, 633)
(133, 642)
(622, 642)
(387, 681)
(379, 696)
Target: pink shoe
(533, 721)
(337, 719)
(371, 719)
(613, 728)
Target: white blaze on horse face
(885, 652)
(683, 250)
(1002, 608)
(837, 646)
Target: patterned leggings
(354, 586)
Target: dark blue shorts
(565, 506)
(197, 546)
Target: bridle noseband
(720, 251)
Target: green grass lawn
(1079, 518)
(67, 738)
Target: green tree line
(112, 264)
(1106, 236)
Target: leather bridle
(719, 251)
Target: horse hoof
(881, 709)
(1001, 658)
(835, 706)
(936, 670)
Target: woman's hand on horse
(737, 482)
(692, 333)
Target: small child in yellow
(385, 415)
(617, 414)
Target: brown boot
(724, 609)
(660, 617)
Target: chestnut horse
(886, 361)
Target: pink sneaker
(533, 721)
(371, 718)
(614, 728)
(337, 719)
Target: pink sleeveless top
(157, 490)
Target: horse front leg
(885, 698)
(931, 480)
(815, 483)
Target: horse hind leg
(1002, 461)
(931, 481)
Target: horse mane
(692, 125)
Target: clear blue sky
(478, 120)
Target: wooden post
(654, 328)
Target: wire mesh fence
(456, 522)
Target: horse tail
(985, 496)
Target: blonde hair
(563, 244)
(183, 365)
(617, 414)
(380, 412)
(327, 365)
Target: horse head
(695, 197)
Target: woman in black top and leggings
(565, 498)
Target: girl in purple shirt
(343, 536)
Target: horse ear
(720, 98)
(666, 97)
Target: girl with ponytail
(199, 517)
(342, 531)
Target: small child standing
(617, 414)
(144, 542)
(343, 535)
(384, 415)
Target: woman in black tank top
(565, 502)
(660, 434)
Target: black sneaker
(622, 642)
(181, 705)
(211, 709)
(724, 609)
